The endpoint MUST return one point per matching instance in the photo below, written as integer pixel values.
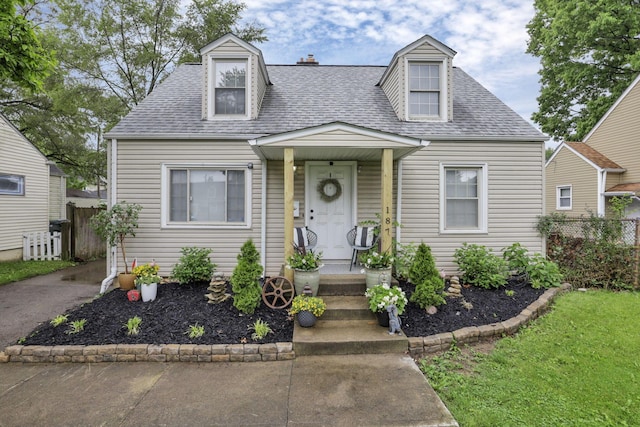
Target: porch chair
(304, 239)
(361, 239)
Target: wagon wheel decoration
(277, 292)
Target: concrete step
(329, 337)
(346, 308)
(341, 284)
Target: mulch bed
(166, 320)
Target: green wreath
(329, 197)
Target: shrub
(481, 267)
(543, 273)
(424, 274)
(260, 330)
(517, 258)
(194, 266)
(403, 259)
(245, 280)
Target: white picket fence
(41, 245)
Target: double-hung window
(207, 195)
(230, 87)
(424, 89)
(463, 198)
(12, 185)
(563, 199)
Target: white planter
(149, 292)
(301, 278)
(374, 276)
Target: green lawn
(579, 365)
(12, 271)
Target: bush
(194, 266)
(424, 274)
(517, 258)
(543, 273)
(481, 267)
(403, 259)
(245, 280)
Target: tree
(245, 279)
(589, 52)
(23, 60)
(424, 274)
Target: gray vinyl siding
(139, 176)
(19, 214)
(515, 196)
(393, 87)
(56, 198)
(618, 136)
(569, 169)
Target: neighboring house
(86, 198)
(233, 149)
(26, 188)
(581, 177)
(57, 193)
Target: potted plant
(307, 309)
(377, 267)
(382, 296)
(147, 280)
(113, 225)
(306, 270)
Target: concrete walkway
(359, 390)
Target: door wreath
(329, 189)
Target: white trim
(443, 107)
(211, 86)
(570, 187)
(613, 107)
(483, 197)
(165, 200)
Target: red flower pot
(133, 295)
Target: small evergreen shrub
(480, 266)
(424, 274)
(194, 266)
(245, 280)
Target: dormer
(418, 80)
(235, 79)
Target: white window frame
(483, 198)
(211, 76)
(443, 109)
(559, 196)
(21, 185)
(166, 199)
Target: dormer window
(424, 89)
(230, 87)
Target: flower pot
(149, 292)
(383, 318)
(126, 281)
(301, 278)
(374, 276)
(306, 319)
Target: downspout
(399, 203)
(602, 181)
(112, 251)
(263, 219)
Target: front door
(329, 206)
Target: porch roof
(335, 141)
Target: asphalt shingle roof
(307, 96)
(595, 156)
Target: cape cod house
(581, 177)
(232, 149)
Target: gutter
(108, 281)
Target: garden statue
(394, 321)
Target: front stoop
(347, 326)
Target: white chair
(361, 239)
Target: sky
(489, 36)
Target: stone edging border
(259, 352)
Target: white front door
(329, 210)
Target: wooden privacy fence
(84, 242)
(41, 245)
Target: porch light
(249, 165)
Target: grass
(13, 271)
(576, 366)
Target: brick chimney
(309, 61)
